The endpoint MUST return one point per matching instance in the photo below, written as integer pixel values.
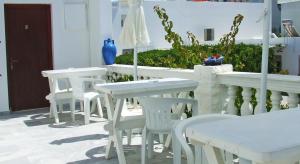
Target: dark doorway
(29, 51)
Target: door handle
(12, 62)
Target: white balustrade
(276, 99)
(293, 100)
(231, 108)
(257, 96)
(247, 107)
(213, 80)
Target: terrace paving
(30, 137)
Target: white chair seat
(128, 122)
(89, 95)
(80, 93)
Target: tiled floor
(31, 138)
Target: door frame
(48, 7)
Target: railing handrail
(284, 83)
(156, 72)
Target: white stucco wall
(291, 55)
(71, 45)
(195, 17)
(3, 72)
(291, 11)
(100, 27)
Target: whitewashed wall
(291, 55)
(3, 72)
(291, 11)
(195, 17)
(73, 22)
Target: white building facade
(194, 17)
(78, 30)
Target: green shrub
(244, 58)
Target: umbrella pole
(265, 55)
(135, 64)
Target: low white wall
(195, 17)
(71, 44)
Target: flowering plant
(215, 59)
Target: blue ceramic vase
(109, 52)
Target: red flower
(216, 56)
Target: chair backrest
(158, 112)
(78, 86)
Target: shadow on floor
(79, 138)
(132, 155)
(64, 118)
(23, 113)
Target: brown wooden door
(29, 51)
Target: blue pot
(109, 52)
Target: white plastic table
(123, 90)
(54, 75)
(269, 138)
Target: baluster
(114, 76)
(276, 100)
(257, 96)
(231, 108)
(293, 100)
(247, 107)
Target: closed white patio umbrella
(265, 55)
(135, 33)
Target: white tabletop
(69, 71)
(265, 137)
(146, 87)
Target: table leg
(114, 135)
(109, 146)
(109, 106)
(117, 136)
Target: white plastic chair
(179, 141)
(80, 93)
(61, 96)
(159, 119)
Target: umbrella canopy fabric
(135, 33)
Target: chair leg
(168, 141)
(51, 114)
(60, 106)
(100, 110)
(81, 106)
(73, 109)
(93, 108)
(144, 142)
(129, 132)
(161, 138)
(150, 144)
(87, 108)
(176, 151)
(53, 111)
(199, 154)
